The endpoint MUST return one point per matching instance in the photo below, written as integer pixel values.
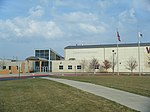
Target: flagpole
(118, 39)
(117, 58)
(139, 54)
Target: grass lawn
(40, 95)
(135, 84)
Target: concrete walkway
(134, 101)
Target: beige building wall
(65, 63)
(80, 54)
(13, 66)
(5, 71)
(124, 54)
(14, 70)
(146, 60)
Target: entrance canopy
(34, 58)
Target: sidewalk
(134, 101)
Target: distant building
(11, 66)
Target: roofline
(106, 45)
(56, 53)
(34, 58)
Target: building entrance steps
(134, 101)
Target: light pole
(19, 69)
(139, 36)
(113, 60)
(75, 69)
(19, 64)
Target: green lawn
(135, 84)
(40, 95)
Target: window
(60, 67)
(72, 59)
(45, 63)
(52, 55)
(4, 67)
(37, 53)
(96, 66)
(78, 66)
(9, 67)
(42, 52)
(69, 67)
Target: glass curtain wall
(45, 65)
(49, 55)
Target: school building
(76, 55)
(77, 58)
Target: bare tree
(2, 63)
(106, 64)
(94, 64)
(83, 64)
(131, 64)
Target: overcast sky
(26, 25)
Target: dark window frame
(79, 67)
(61, 67)
(4, 67)
(69, 67)
(96, 66)
(9, 67)
(17, 67)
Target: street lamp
(19, 65)
(113, 67)
(19, 69)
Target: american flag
(118, 36)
